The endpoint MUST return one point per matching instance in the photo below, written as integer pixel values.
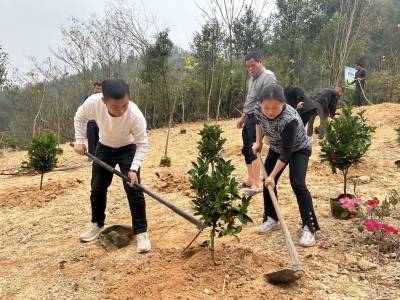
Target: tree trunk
(41, 180)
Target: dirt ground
(41, 256)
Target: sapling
(42, 154)
(217, 201)
(347, 139)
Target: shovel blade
(283, 276)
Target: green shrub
(12, 141)
(218, 201)
(347, 139)
(42, 154)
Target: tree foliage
(304, 42)
(347, 139)
(218, 201)
(42, 154)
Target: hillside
(42, 258)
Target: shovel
(185, 215)
(297, 271)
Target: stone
(366, 265)
(364, 179)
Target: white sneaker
(91, 234)
(269, 225)
(142, 243)
(308, 238)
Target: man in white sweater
(123, 141)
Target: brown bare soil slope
(42, 258)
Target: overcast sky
(29, 27)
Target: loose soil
(41, 256)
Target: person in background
(123, 141)
(359, 80)
(260, 77)
(92, 128)
(288, 145)
(326, 101)
(297, 98)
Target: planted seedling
(42, 154)
(217, 201)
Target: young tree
(217, 202)
(207, 49)
(347, 139)
(157, 72)
(42, 154)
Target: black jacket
(329, 99)
(295, 94)
(362, 74)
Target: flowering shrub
(352, 205)
(347, 139)
(370, 217)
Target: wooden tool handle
(289, 242)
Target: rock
(366, 265)
(364, 179)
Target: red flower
(395, 231)
(373, 202)
(334, 156)
(351, 216)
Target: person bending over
(123, 141)
(288, 145)
(326, 101)
(297, 98)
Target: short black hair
(358, 63)
(115, 89)
(97, 83)
(341, 88)
(254, 54)
(272, 92)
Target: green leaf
(205, 244)
(244, 219)
(344, 214)
(237, 238)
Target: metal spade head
(283, 276)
